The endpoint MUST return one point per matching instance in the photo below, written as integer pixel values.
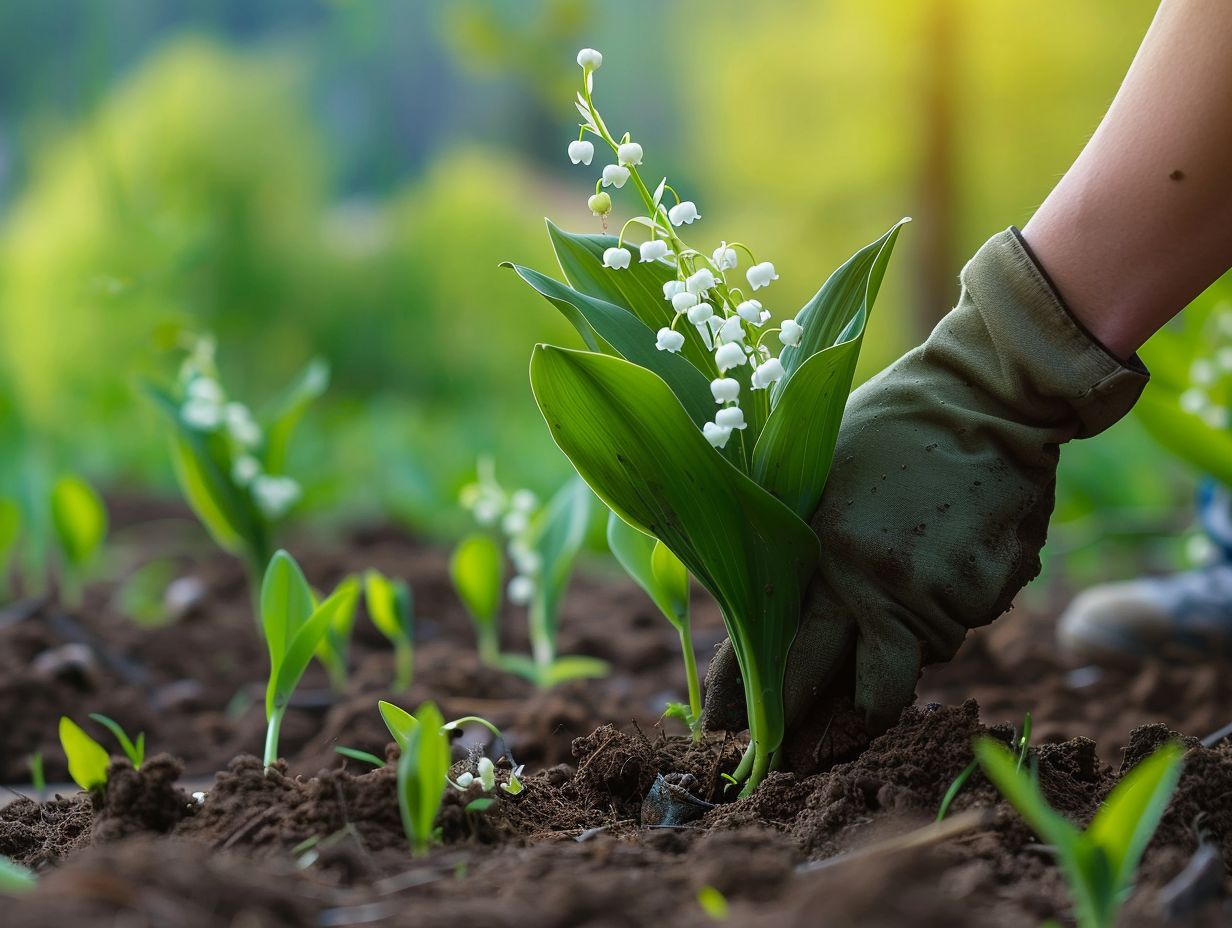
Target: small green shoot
(364, 757)
(423, 770)
(294, 625)
(713, 903)
(38, 777)
(80, 522)
(1098, 864)
(401, 724)
(15, 879)
(334, 649)
(1022, 742)
(135, 752)
(477, 570)
(391, 607)
(87, 759)
(10, 531)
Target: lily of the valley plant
(699, 419)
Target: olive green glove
(943, 481)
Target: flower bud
(654, 249)
(700, 281)
(730, 417)
(684, 300)
(581, 151)
(701, 313)
(589, 59)
(616, 258)
(725, 389)
(729, 356)
(791, 333)
(724, 258)
(487, 774)
(671, 288)
(600, 204)
(760, 275)
(669, 340)
(683, 213)
(716, 434)
(615, 175)
(629, 153)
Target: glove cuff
(1057, 358)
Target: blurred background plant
(341, 178)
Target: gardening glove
(942, 485)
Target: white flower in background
(527, 562)
(486, 510)
(731, 330)
(200, 414)
(466, 779)
(724, 258)
(589, 60)
(701, 313)
(725, 389)
(242, 426)
(750, 311)
(1223, 359)
(700, 282)
(616, 258)
(669, 340)
(716, 434)
(245, 469)
(614, 175)
(1215, 416)
(767, 373)
(1202, 373)
(581, 151)
(760, 275)
(600, 204)
(1193, 401)
(524, 501)
(630, 153)
(729, 356)
(684, 300)
(514, 522)
(683, 213)
(275, 495)
(520, 590)
(487, 774)
(654, 249)
(671, 288)
(730, 417)
(205, 389)
(791, 333)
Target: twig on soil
(924, 837)
(1214, 739)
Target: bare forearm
(1142, 222)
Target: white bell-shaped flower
(683, 213)
(750, 311)
(581, 151)
(600, 204)
(716, 434)
(1193, 401)
(487, 774)
(630, 153)
(616, 258)
(202, 415)
(206, 389)
(730, 417)
(768, 372)
(725, 389)
(729, 356)
(1215, 416)
(669, 340)
(700, 281)
(1202, 372)
(521, 590)
(615, 175)
(523, 501)
(671, 288)
(245, 469)
(760, 275)
(791, 333)
(1223, 359)
(731, 330)
(589, 59)
(654, 249)
(684, 300)
(701, 313)
(242, 426)
(724, 258)
(527, 561)
(514, 522)
(274, 495)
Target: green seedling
(10, 531)
(80, 522)
(477, 569)
(683, 420)
(402, 725)
(135, 752)
(423, 771)
(713, 903)
(391, 606)
(230, 466)
(38, 777)
(88, 761)
(1099, 864)
(334, 649)
(15, 879)
(364, 757)
(1022, 744)
(664, 578)
(294, 624)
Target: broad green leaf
(399, 722)
(1207, 449)
(1001, 767)
(557, 534)
(285, 674)
(87, 759)
(630, 439)
(389, 605)
(793, 455)
(423, 770)
(15, 879)
(134, 752)
(289, 409)
(632, 339)
(79, 517)
(655, 569)
(1129, 816)
(477, 569)
(850, 289)
(286, 605)
(637, 288)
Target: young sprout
(38, 778)
(392, 610)
(10, 531)
(88, 760)
(333, 650)
(15, 879)
(364, 757)
(660, 573)
(135, 752)
(294, 624)
(1098, 864)
(1022, 744)
(477, 569)
(423, 770)
(80, 522)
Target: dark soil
(318, 840)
